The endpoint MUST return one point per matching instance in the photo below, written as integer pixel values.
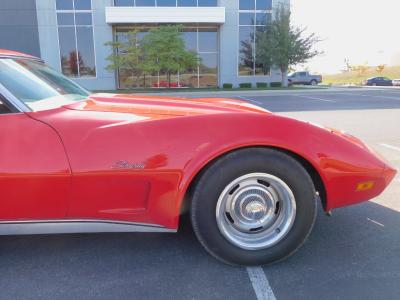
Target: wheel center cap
(255, 210)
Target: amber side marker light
(365, 186)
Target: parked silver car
(304, 78)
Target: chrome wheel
(256, 211)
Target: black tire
(313, 82)
(232, 166)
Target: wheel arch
(308, 166)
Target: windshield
(37, 85)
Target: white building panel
(181, 15)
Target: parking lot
(352, 255)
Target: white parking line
(260, 283)
(314, 98)
(390, 146)
(376, 222)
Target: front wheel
(254, 206)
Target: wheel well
(316, 178)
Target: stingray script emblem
(124, 164)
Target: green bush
(276, 84)
(227, 85)
(246, 85)
(262, 85)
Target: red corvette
(74, 162)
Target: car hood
(162, 106)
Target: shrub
(246, 85)
(227, 85)
(262, 85)
(276, 84)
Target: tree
(164, 51)
(285, 45)
(380, 68)
(127, 55)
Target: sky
(363, 31)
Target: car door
(34, 170)
(303, 77)
(387, 81)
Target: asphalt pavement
(352, 255)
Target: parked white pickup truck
(304, 78)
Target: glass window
(188, 3)
(69, 64)
(65, 18)
(261, 61)
(263, 18)
(208, 3)
(64, 5)
(124, 2)
(145, 3)
(247, 4)
(142, 33)
(204, 75)
(122, 37)
(166, 3)
(208, 40)
(246, 52)
(246, 19)
(264, 4)
(86, 58)
(82, 4)
(37, 85)
(189, 35)
(189, 79)
(208, 70)
(83, 19)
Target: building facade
(71, 36)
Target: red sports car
(74, 162)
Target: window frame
(74, 26)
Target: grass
(193, 90)
(356, 78)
